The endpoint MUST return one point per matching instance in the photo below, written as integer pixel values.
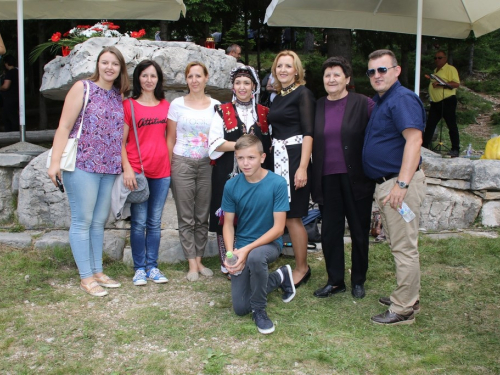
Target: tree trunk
(471, 58)
(339, 43)
(164, 30)
(308, 42)
(42, 106)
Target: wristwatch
(402, 185)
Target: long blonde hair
(297, 64)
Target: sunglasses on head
(438, 57)
(381, 69)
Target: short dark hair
(137, 90)
(9, 60)
(338, 61)
(249, 140)
(383, 52)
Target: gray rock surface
(56, 238)
(18, 240)
(490, 214)
(486, 175)
(40, 203)
(62, 72)
(445, 208)
(7, 207)
(114, 243)
(448, 169)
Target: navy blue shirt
(398, 109)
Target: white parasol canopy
(442, 18)
(80, 9)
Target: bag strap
(86, 83)
(135, 131)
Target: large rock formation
(62, 72)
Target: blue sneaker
(287, 285)
(140, 277)
(262, 321)
(155, 275)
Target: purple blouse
(100, 144)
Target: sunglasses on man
(438, 57)
(381, 69)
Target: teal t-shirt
(254, 205)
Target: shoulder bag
(68, 157)
(141, 194)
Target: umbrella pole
(418, 54)
(20, 67)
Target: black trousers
(339, 204)
(11, 115)
(446, 109)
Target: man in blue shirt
(259, 200)
(391, 157)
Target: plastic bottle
(469, 151)
(406, 212)
(231, 260)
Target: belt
(381, 180)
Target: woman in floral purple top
(98, 162)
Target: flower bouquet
(80, 34)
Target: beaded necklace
(287, 90)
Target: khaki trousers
(403, 239)
(192, 190)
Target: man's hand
(395, 197)
(242, 255)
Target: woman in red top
(151, 110)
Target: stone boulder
(490, 214)
(62, 72)
(40, 203)
(445, 208)
(447, 169)
(486, 175)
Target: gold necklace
(289, 89)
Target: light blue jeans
(89, 196)
(145, 224)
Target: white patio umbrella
(80, 9)
(443, 18)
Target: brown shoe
(390, 318)
(386, 301)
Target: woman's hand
(53, 171)
(129, 179)
(300, 179)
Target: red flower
(142, 32)
(97, 29)
(66, 34)
(84, 27)
(134, 34)
(106, 23)
(113, 27)
(56, 37)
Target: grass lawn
(49, 326)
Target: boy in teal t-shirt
(259, 199)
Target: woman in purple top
(339, 185)
(98, 162)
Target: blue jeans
(89, 196)
(145, 228)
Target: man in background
(10, 94)
(235, 51)
(443, 103)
